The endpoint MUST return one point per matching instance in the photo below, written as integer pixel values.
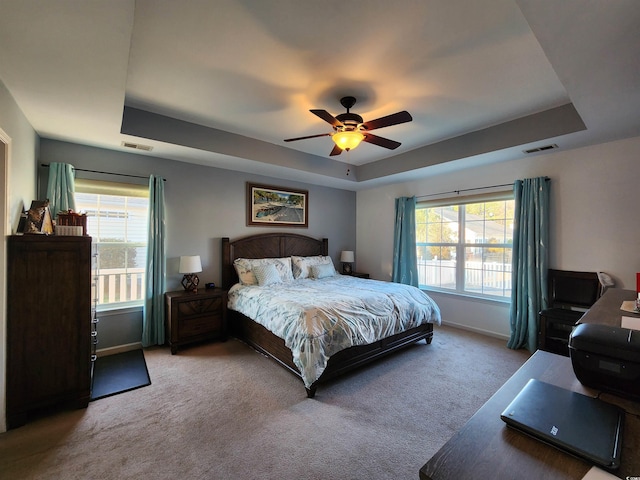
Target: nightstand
(359, 275)
(195, 316)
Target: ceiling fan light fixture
(348, 128)
(347, 140)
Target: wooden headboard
(267, 245)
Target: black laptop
(583, 426)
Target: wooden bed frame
(275, 245)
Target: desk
(485, 448)
(607, 311)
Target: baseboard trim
(103, 352)
(476, 330)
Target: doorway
(5, 230)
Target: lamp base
(190, 282)
(346, 268)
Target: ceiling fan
(350, 129)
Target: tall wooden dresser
(48, 324)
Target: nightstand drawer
(197, 325)
(198, 307)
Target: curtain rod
(457, 192)
(104, 173)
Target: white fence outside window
(486, 277)
(117, 285)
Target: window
(466, 247)
(117, 223)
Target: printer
(607, 358)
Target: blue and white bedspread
(319, 317)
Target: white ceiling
(223, 82)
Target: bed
(296, 246)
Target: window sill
(106, 310)
(469, 296)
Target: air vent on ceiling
(137, 146)
(541, 149)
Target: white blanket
(317, 318)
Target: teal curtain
(405, 258)
(530, 261)
(61, 188)
(153, 317)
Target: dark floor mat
(119, 373)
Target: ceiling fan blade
(393, 119)
(327, 117)
(381, 142)
(336, 151)
(309, 136)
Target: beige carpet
(223, 411)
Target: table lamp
(190, 265)
(347, 258)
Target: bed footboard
(342, 362)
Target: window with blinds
(117, 223)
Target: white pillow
(244, 268)
(323, 270)
(301, 265)
(266, 274)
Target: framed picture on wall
(277, 206)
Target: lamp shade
(347, 256)
(348, 139)
(190, 264)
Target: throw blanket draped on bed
(319, 317)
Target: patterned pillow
(244, 268)
(266, 274)
(301, 265)
(323, 270)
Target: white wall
(593, 220)
(23, 154)
(19, 151)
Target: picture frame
(38, 219)
(268, 205)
